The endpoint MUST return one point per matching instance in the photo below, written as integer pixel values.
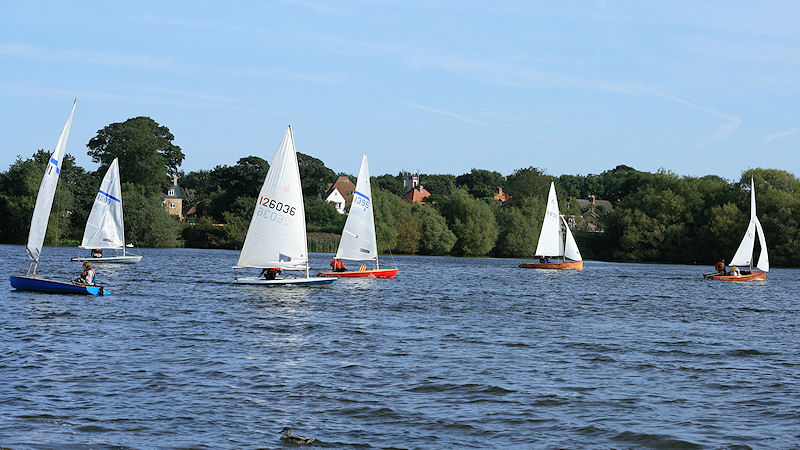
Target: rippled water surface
(454, 352)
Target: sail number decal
(361, 201)
(277, 206)
(281, 211)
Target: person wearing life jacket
(270, 273)
(87, 276)
(337, 265)
(720, 267)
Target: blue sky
(694, 87)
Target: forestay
(277, 233)
(105, 228)
(47, 190)
(358, 238)
(551, 241)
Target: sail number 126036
(277, 206)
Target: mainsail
(105, 228)
(47, 190)
(551, 242)
(277, 233)
(358, 238)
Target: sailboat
(552, 240)
(41, 216)
(744, 254)
(276, 237)
(105, 229)
(358, 237)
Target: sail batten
(358, 240)
(105, 226)
(277, 233)
(47, 190)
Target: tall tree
(472, 221)
(147, 156)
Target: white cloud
(780, 135)
(439, 111)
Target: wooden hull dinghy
(571, 265)
(25, 283)
(744, 254)
(744, 276)
(556, 240)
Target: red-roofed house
(340, 193)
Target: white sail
(571, 249)
(744, 254)
(47, 190)
(358, 237)
(105, 228)
(277, 233)
(550, 238)
(763, 258)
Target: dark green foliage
(314, 176)
(472, 221)
(480, 183)
(322, 216)
(145, 150)
(390, 183)
(435, 237)
(518, 229)
(147, 223)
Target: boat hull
(110, 259)
(37, 284)
(310, 281)
(566, 265)
(373, 273)
(744, 277)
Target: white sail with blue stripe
(105, 228)
(47, 190)
(358, 238)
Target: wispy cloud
(88, 57)
(780, 135)
(438, 111)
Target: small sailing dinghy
(358, 241)
(744, 254)
(105, 229)
(551, 240)
(277, 234)
(41, 216)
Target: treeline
(659, 217)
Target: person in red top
(337, 265)
(720, 267)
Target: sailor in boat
(97, 253)
(337, 265)
(735, 271)
(87, 276)
(720, 267)
(270, 273)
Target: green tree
(518, 229)
(472, 221)
(314, 175)
(480, 183)
(528, 182)
(145, 150)
(435, 237)
(147, 222)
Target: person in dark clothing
(270, 273)
(720, 267)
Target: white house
(337, 199)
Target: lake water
(454, 352)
